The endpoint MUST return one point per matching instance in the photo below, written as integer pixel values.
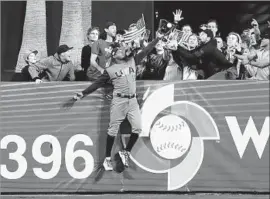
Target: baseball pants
(122, 108)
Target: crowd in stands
(203, 55)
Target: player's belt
(126, 96)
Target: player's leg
(134, 118)
(117, 115)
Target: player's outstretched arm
(146, 51)
(101, 81)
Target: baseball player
(122, 74)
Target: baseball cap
(63, 48)
(108, 24)
(209, 33)
(28, 52)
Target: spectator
(120, 36)
(233, 47)
(213, 26)
(191, 72)
(30, 59)
(256, 30)
(173, 70)
(204, 55)
(57, 67)
(259, 64)
(203, 26)
(187, 29)
(100, 56)
(156, 63)
(92, 36)
(234, 42)
(220, 44)
(252, 35)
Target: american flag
(136, 32)
(184, 37)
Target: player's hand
(177, 16)
(254, 23)
(69, 103)
(159, 35)
(38, 81)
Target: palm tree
(72, 32)
(34, 31)
(86, 17)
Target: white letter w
(250, 132)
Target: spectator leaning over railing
(204, 55)
(233, 47)
(57, 67)
(192, 72)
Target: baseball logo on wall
(173, 135)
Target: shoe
(125, 155)
(108, 164)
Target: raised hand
(177, 15)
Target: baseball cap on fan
(28, 52)
(63, 48)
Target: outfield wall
(222, 145)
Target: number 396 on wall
(54, 158)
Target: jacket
(203, 56)
(52, 69)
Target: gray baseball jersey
(124, 103)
